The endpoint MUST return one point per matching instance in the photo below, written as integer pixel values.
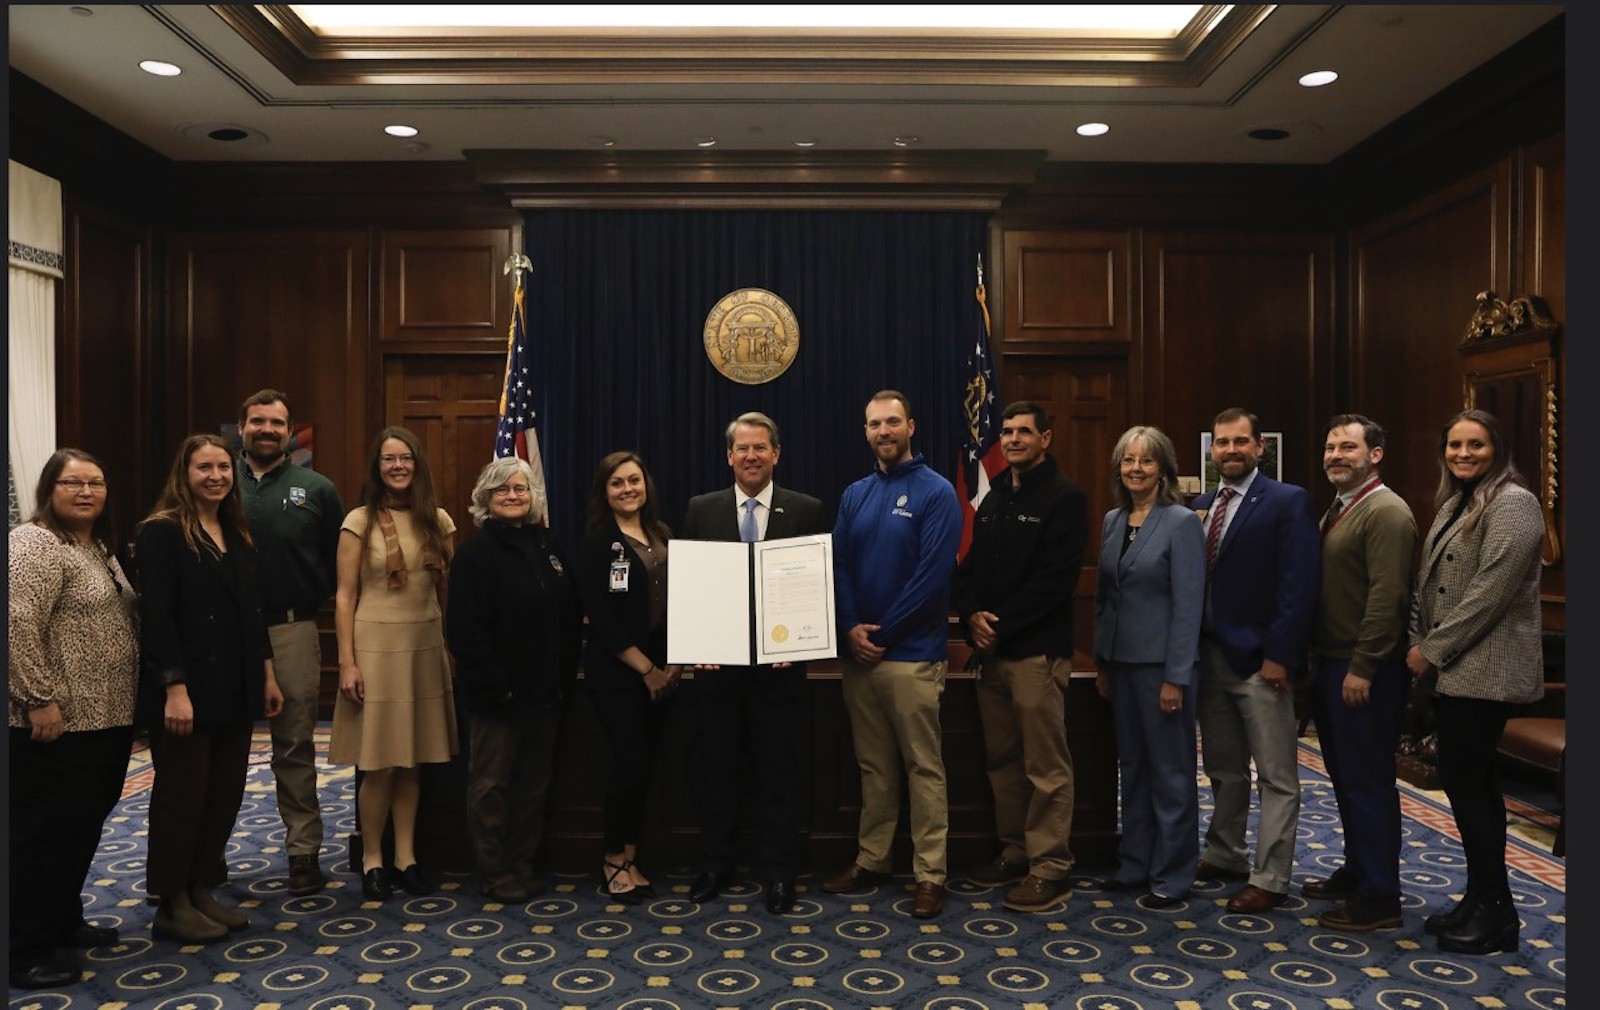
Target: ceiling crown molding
(759, 56)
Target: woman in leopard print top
(73, 677)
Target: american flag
(981, 457)
(518, 435)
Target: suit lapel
(725, 521)
(1247, 509)
(779, 524)
(1147, 532)
(1436, 549)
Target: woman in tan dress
(396, 709)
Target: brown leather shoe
(929, 900)
(853, 879)
(1253, 900)
(1211, 871)
(1361, 915)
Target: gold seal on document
(752, 336)
(780, 633)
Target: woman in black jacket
(514, 626)
(205, 678)
(622, 572)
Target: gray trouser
(297, 662)
(508, 777)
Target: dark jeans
(1469, 733)
(508, 778)
(61, 793)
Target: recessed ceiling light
(1317, 78)
(400, 130)
(1093, 129)
(160, 69)
(229, 134)
(705, 141)
(599, 140)
(1269, 133)
(804, 142)
(907, 140)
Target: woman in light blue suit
(1148, 602)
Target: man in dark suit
(1264, 563)
(757, 701)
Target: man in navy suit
(1264, 563)
(758, 702)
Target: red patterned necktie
(1219, 512)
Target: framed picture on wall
(1271, 462)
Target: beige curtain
(35, 268)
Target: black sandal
(631, 895)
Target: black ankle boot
(1441, 923)
(1492, 925)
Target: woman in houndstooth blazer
(1475, 625)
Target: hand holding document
(737, 604)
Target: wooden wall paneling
(1415, 274)
(1543, 256)
(452, 403)
(1240, 320)
(445, 291)
(102, 369)
(1067, 288)
(289, 310)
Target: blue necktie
(747, 526)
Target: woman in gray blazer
(1475, 626)
(1148, 602)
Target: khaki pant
(1022, 703)
(297, 662)
(894, 720)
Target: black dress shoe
(1441, 923)
(780, 896)
(45, 975)
(87, 936)
(1211, 871)
(1490, 926)
(375, 885)
(413, 881)
(1159, 901)
(707, 885)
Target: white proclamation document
(794, 599)
(722, 594)
(708, 602)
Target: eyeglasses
(507, 490)
(77, 486)
(407, 460)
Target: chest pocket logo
(297, 496)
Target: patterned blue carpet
(571, 948)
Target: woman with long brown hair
(396, 706)
(1476, 627)
(622, 573)
(206, 677)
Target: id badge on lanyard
(619, 570)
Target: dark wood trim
(966, 180)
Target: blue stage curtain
(617, 307)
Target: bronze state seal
(752, 336)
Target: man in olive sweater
(1359, 680)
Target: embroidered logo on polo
(297, 496)
(900, 508)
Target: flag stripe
(981, 456)
(518, 434)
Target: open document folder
(736, 604)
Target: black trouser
(194, 805)
(633, 726)
(1469, 735)
(751, 713)
(61, 793)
